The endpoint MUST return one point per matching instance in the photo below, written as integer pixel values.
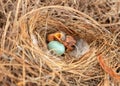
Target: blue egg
(57, 47)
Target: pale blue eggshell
(57, 47)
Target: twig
(107, 69)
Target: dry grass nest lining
(36, 60)
(36, 24)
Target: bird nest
(37, 66)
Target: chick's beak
(59, 36)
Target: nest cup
(37, 24)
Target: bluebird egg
(57, 47)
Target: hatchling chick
(65, 39)
(81, 48)
(60, 36)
